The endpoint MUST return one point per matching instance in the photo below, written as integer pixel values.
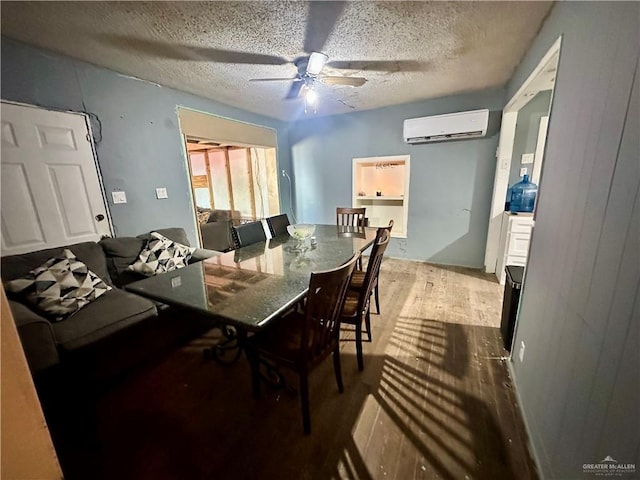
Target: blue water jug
(523, 196)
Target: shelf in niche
(380, 197)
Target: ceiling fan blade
(321, 19)
(275, 79)
(294, 91)
(381, 65)
(350, 81)
(178, 51)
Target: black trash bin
(510, 303)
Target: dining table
(244, 290)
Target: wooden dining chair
(278, 224)
(301, 340)
(357, 279)
(248, 233)
(351, 216)
(357, 303)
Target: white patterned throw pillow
(60, 287)
(160, 255)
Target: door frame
(540, 144)
(92, 144)
(505, 153)
(236, 133)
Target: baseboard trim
(530, 434)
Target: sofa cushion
(122, 252)
(112, 312)
(59, 287)
(221, 215)
(161, 255)
(176, 234)
(89, 253)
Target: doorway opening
(232, 168)
(521, 151)
(230, 184)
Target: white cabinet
(514, 241)
(381, 185)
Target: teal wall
(526, 136)
(580, 310)
(451, 182)
(135, 123)
(139, 148)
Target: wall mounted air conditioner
(452, 126)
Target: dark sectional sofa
(114, 330)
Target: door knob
(99, 217)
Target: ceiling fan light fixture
(316, 63)
(310, 99)
(310, 96)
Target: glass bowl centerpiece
(301, 232)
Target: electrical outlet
(161, 193)
(523, 172)
(521, 351)
(119, 197)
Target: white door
(51, 192)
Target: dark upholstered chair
(278, 224)
(357, 280)
(357, 303)
(217, 236)
(248, 233)
(216, 233)
(351, 216)
(300, 341)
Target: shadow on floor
(433, 402)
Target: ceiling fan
(310, 72)
(321, 19)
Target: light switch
(527, 158)
(161, 193)
(523, 172)
(119, 197)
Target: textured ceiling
(408, 51)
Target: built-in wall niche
(381, 185)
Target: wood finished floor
(434, 401)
